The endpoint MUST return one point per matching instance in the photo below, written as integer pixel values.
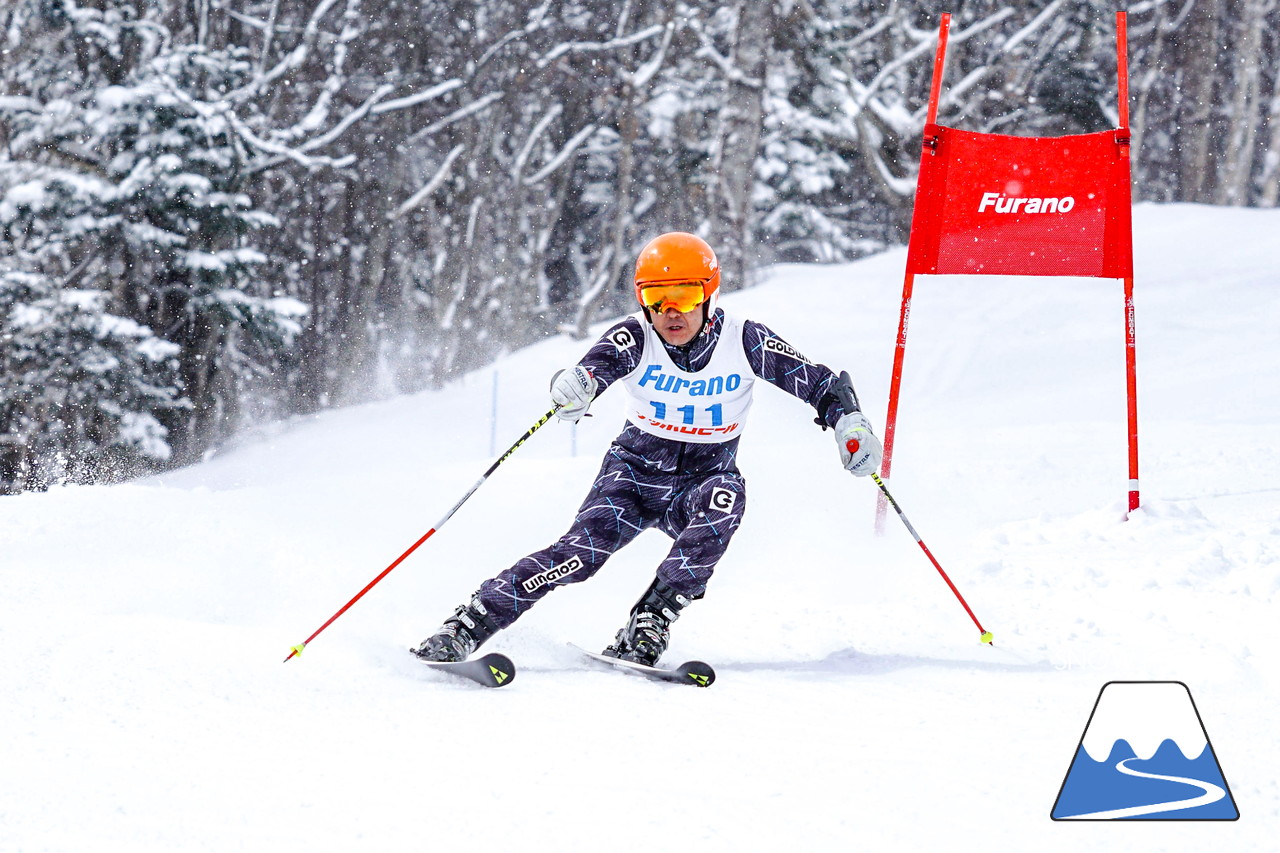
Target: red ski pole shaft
(849, 400)
(297, 650)
(986, 635)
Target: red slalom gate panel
(988, 204)
(1010, 205)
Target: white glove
(572, 390)
(865, 458)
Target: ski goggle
(683, 296)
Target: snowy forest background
(214, 212)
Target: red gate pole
(1130, 330)
(939, 61)
(908, 285)
(895, 385)
(1122, 67)
(1131, 390)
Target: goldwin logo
(555, 573)
(784, 348)
(1005, 204)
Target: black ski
(491, 670)
(693, 672)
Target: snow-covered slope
(142, 626)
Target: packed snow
(143, 627)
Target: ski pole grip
(849, 402)
(843, 390)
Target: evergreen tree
(129, 178)
(82, 389)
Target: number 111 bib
(707, 406)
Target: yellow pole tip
(986, 637)
(297, 650)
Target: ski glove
(573, 390)
(866, 458)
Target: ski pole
(986, 635)
(849, 399)
(297, 650)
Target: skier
(687, 370)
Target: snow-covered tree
(129, 167)
(83, 390)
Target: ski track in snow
(1212, 793)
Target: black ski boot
(647, 633)
(460, 635)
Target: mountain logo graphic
(1145, 755)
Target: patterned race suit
(692, 492)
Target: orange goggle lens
(683, 296)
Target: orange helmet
(678, 257)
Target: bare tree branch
(596, 46)
(436, 91)
(564, 154)
(518, 165)
(294, 59)
(430, 186)
(457, 115)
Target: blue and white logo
(1145, 755)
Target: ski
(491, 670)
(693, 672)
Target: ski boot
(647, 633)
(460, 635)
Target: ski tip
(501, 670)
(701, 674)
(491, 670)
